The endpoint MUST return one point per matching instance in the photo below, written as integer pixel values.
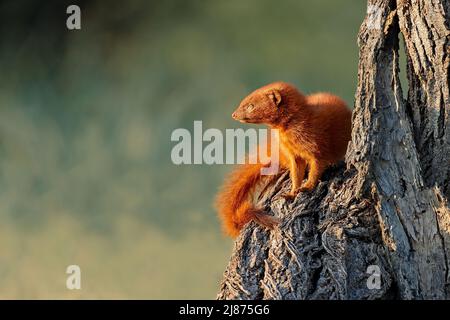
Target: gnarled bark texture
(384, 214)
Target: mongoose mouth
(247, 120)
(240, 118)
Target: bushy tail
(234, 200)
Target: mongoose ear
(275, 96)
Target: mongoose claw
(305, 188)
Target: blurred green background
(85, 122)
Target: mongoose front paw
(306, 187)
(288, 197)
(291, 195)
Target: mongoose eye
(250, 107)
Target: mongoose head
(269, 104)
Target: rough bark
(387, 206)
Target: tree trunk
(378, 226)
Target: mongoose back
(314, 132)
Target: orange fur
(314, 133)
